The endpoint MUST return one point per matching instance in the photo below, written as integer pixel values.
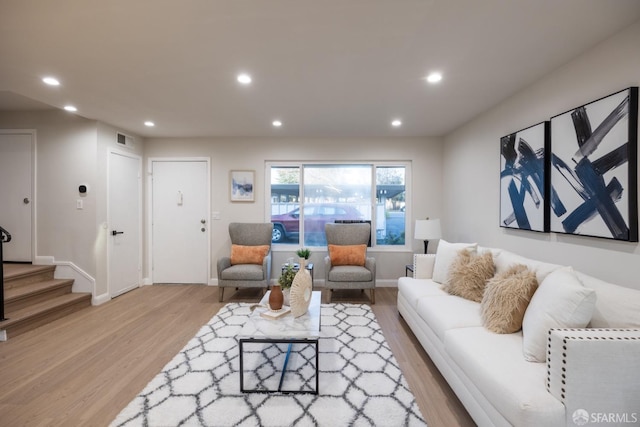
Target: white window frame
(408, 240)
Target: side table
(296, 267)
(408, 268)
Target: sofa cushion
(414, 289)
(506, 259)
(347, 254)
(506, 298)
(494, 364)
(468, 275)
(445, 255)
(241, 254)
(449, 312)
(616, 306)
(561, 301)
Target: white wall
(251, 153)
(65, 158)
(70, 150)
(471, 162)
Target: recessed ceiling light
(70, 108)
(276, 123)
(244, 78)
(434, 77)
(51, 81)
(149, 123)
(396, 123)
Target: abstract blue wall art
(524, 178)
(594, 165)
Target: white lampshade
(427, 229)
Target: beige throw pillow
(468, 274)
(506, 298)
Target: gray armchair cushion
(350, 276)
(246, 275)
(243, 272)
(350, 273)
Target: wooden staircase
(34, 298)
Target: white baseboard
(3, 335)
(386, 283)
(100, 299)
(147, 281)
(82, 281)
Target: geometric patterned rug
(360, 383)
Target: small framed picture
(242, 185)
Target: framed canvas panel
(524, 179)
(594, 168)
(242, 185)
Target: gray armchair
(246, 275)
(350, 276)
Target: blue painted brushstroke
(588, 211)
(517, 201)
(526, 168)
(586, 178)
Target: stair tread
(15, 271)
(34, 288)
(42, 308)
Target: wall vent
(125, 140)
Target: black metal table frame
(289, 341)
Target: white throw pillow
(445, 255)
(561, 301)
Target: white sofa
(591, 376)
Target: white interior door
(16, 199)
(125, 222)
(180, 212)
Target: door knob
(202, 229)
(26, 200)
(203, 221)
(115, 233)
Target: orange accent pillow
(248, 254)
(348, 254)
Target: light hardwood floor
(81, 370)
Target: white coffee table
(285, 330)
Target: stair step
(28, 294)
(16, 275)
(32, 316)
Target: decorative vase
(276, 298)
(301, 291)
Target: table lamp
(427, 229)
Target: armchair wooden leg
(373, 296)
(220, 293)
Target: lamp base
(426, 243)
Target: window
(306, 196)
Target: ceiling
(330, 68)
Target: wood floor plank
(84, 368)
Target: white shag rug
(360, 383)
